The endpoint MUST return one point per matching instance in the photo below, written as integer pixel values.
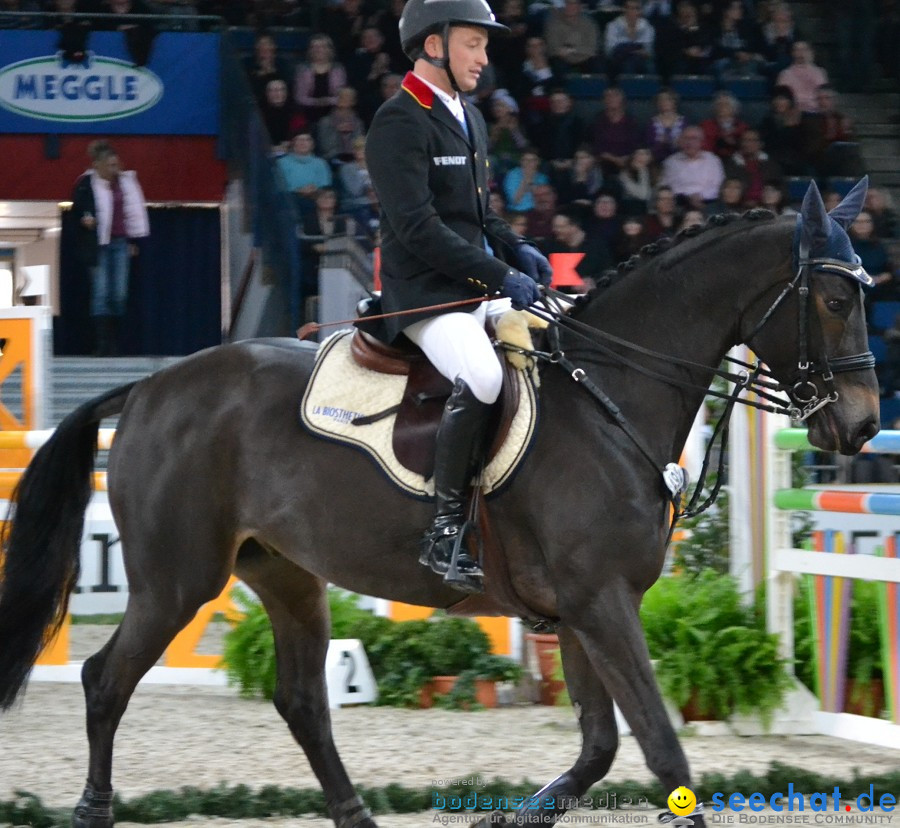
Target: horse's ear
(847, 211)
(814, 224)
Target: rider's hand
(522, 289)
(534, 263)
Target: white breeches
(457, 345)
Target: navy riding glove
(534, 263)
(523, 290)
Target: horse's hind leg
(600, 739)
(154, 615)
(297, 603)
(609, 629)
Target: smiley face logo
(682, 801)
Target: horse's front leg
(600, 740)
(609, 629)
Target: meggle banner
(177, 93)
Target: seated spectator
(774, 198)
(320, 222)
(356, 185)
(615, 134)
(368, 64)
(343, 22)
(581, 184)
(803, 77)
(572, 39)
(336, 132)
(560, 133)
(875, 259)
(779, 35)
(786, 134)
(636, 181)
(534, 82)
(519, 183)
(731, 198)
(890, 372)
(508, 53)
(629, 43)
(518, 222)
(319, 79)
(833, 146)
(663, 217)
(722, 133)
(694, 174)
(388, 86)
(506, 138)
(737, 44)
(633, 238)
(691, 47)
(753, 167)
(570, 237)
(282, 117)
(881, 208)
(666, 126)
(604, 221)
(540, 218)
(691, 218)
(369, 60)
(304, 172)
(388, 22)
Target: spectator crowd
(601, 175)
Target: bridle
(801, 390)
(804, 397)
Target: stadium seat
(797, 185)
(638, 86)
(883, 314)
(876, 346)
(694, 86)
(841, 184)
(587, 86)
(752, 88)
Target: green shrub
(710, 648)
(403, 655)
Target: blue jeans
(109, 279)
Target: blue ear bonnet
(825, 236)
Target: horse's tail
(39, 563)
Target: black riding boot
(460, 440)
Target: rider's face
(468, 55)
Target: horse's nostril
(867, 431)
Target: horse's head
(829, 373)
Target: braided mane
(654, 249)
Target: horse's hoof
(494, 819)
(94, 809)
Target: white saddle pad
(340, 391)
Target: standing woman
(109, 206)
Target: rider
(427, 156)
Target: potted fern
(713, 655)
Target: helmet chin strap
(444, 62)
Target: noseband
(801, 389)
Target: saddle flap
(419, 415)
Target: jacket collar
(425, 96)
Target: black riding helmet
(422, 18)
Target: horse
(211, 474)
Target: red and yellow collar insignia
(421, 91)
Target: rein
(803, 394)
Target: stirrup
(441, 551)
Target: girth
(418, 414)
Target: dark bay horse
(211, 474)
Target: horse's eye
(835, 305)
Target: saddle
(419, 412)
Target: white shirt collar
(454, 104)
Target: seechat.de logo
(100, 89)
